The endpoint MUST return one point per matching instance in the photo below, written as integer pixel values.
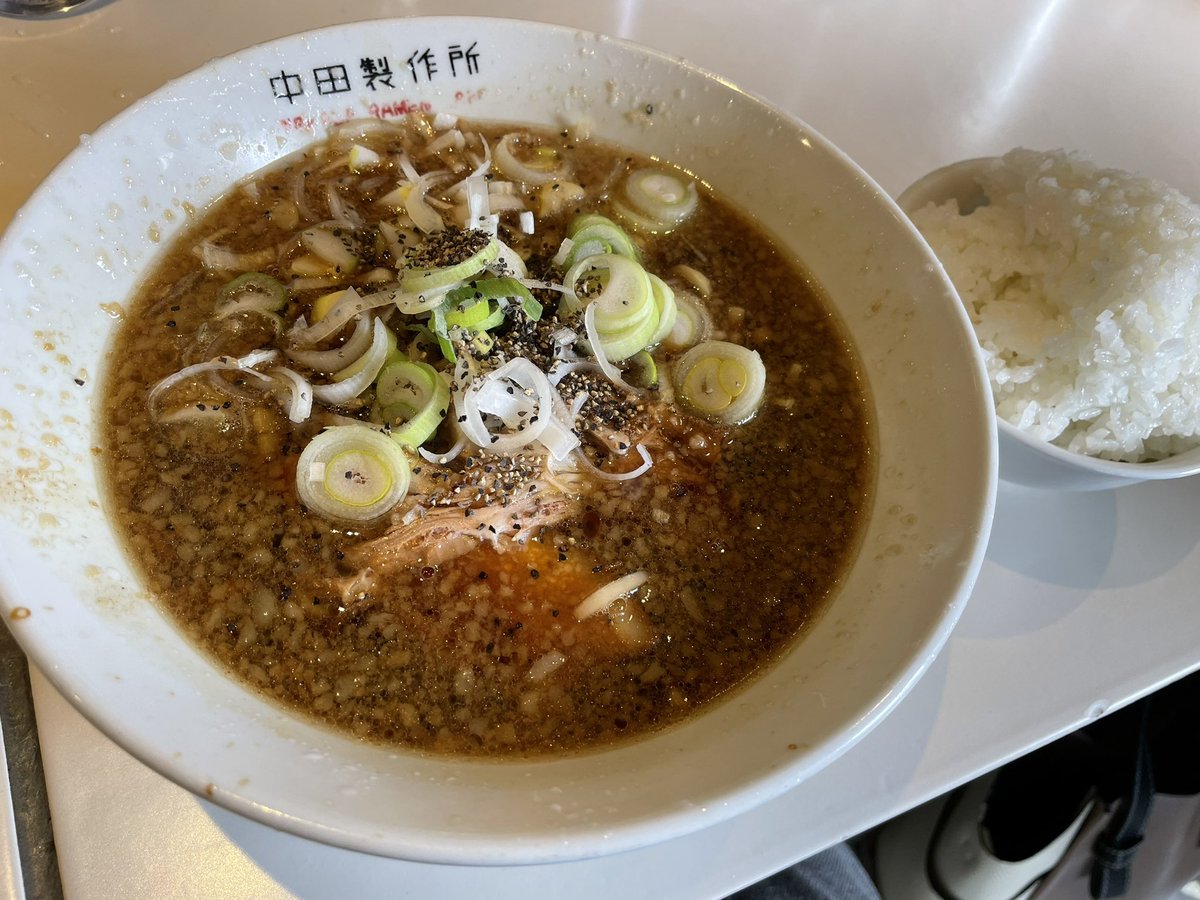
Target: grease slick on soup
(482, 440)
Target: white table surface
(1085, 602)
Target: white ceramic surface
(77, 250)
(1024, 459)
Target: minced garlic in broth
(743, 531)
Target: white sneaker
(943, 851)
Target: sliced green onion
(664, 302)
(415, 392)
(252, 292)
(299, 393)
(358, 376)
(625, 298)
(593, 234)
(619, 345)
(337, 357)
(532, 308)
(458, 256)
(721, 381)
(470, 315)
(395, 412)
(349, 305)
(659, 198)
(411, 197)
(602, 598)
(441, 331)
(692, 323)
(389, 347)
(486, 292)
(611, 372)
(509, 262)
(311, 266)
(352, 473)
(245, 364)
(494, 320)
(498, 288)
(322, 305)
(625, 310)
(697, 279)
(334, 249)
(643, 371)
(363, 158)
(537, 165)
(405, 381)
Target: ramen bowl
(76, 253)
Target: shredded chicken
(504, 501)
(445, 533)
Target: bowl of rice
(1083, 286)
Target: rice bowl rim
(1179, 465)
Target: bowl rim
(1179, 465)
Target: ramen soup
(482, 440)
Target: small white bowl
(1027, 460)
(81, 245)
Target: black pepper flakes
(447, 248)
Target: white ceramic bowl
(76, 252)
(1024, 459)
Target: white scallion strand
(221, 363)
(341, 392)
(602, 598)
(300, 393)
(338, 357)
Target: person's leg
(833, 874)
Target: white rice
(1084, 288)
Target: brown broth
(744, 532)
